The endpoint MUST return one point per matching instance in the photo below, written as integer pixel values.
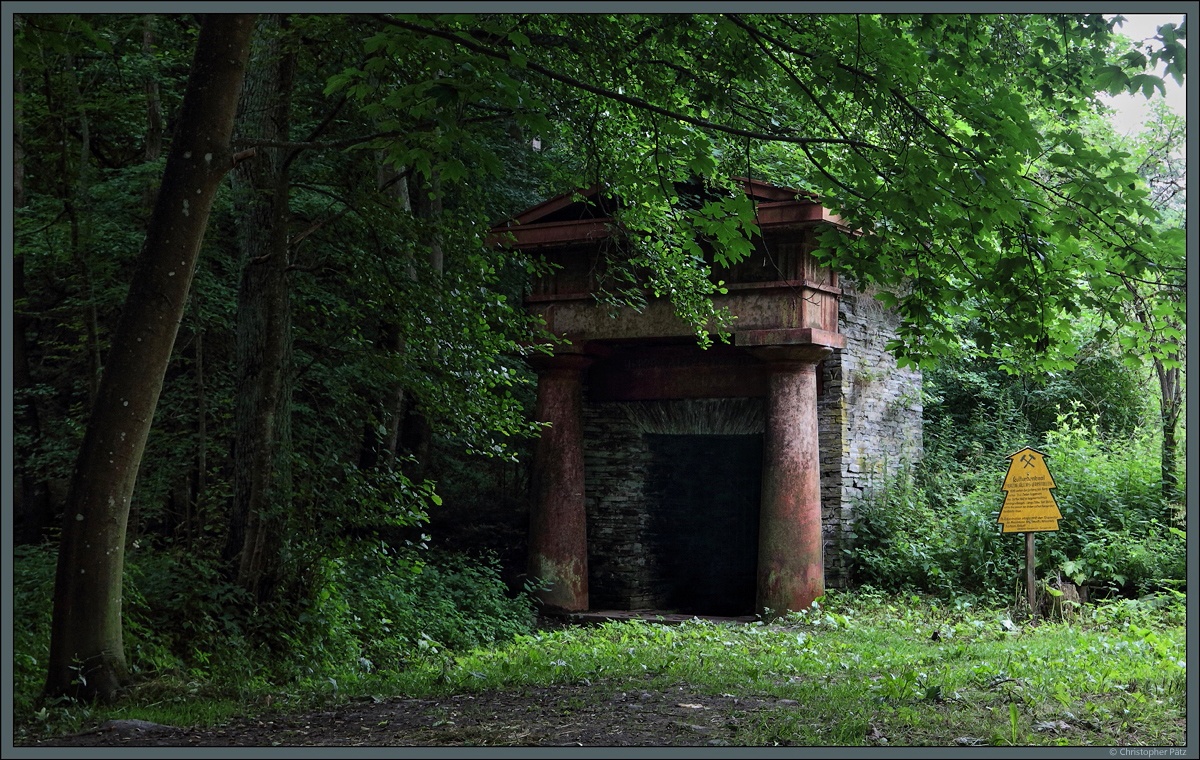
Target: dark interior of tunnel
(703, 493)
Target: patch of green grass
(859, 670)
(173, 701)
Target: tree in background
(261, 449)
(1156, 292)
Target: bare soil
(564, 715)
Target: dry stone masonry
(869, 418)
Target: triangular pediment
(587, 203)
(592, 203)
(584, 214)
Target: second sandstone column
(791, 572)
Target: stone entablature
(780, 286)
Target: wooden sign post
(1028, 507)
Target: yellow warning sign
(1028, 504)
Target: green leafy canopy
(949, 144)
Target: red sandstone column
(791, 571)
(557, 518)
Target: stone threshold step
(595, 617)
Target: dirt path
(569, 715)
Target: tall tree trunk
(32, 509)
(394, 184)
(87, 657)
(1170, 405)
(391, 446)
(31, 498)
(262, 437)
(1170, 389)
(416, 435)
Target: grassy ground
(862, 669)
(900, 670)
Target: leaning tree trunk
(262, 436)
(87, 657)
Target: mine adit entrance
(674, 494)
(644, 516)
(703, 492)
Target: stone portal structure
(678, 478)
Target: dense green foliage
(377, 338)
(933, 525)
(954, 142)
(974, 403)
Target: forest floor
(561, 715)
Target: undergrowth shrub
(33, 595)
(1115, 530)
(177, 620)
(382, 608)
(180, 613)
(1105, 481)
(952, 549)
(375, 610)
(1123, 561)
(932, 525)
(1164, 608)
